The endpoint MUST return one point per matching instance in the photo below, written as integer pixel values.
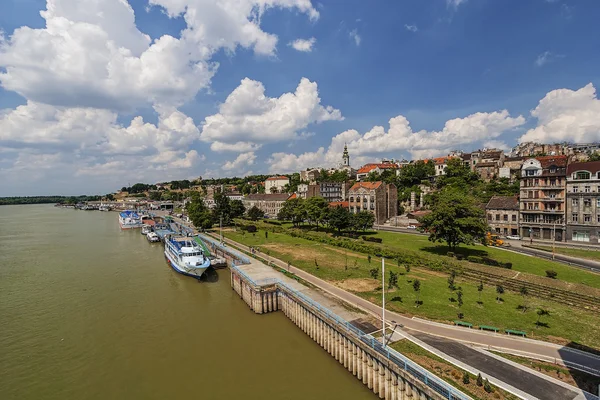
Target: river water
(88, 311)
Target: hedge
(372, 239)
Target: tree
(293, 210)
(199, 214)
(487, 386)
(499, 292)
(479, 380)
(237, 208)
(455, 218)
(551, 274)
(393, 280)
(407, 268)
(594, 157)
(255, 213)
(466, 379)
(374, 273)
(524, 294)
(459, 296)
(541, 312)
(480, 289)
(316, 209)
(222, 209)
(339, 218)
(451, 280)
(362, 220)
(417, 288)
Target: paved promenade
(491, 341)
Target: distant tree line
(47, 199)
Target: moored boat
(146, 229)
(186, 256)
(152, 237)
(129, 220)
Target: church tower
(345, 157)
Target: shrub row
(372, 239)
(272, 222)
(489, 261)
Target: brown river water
(88, 311)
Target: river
(88, 311)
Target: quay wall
(387, 373)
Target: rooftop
(278, 178)
(269, 196)
(591, 166)
(366, 185)
(503, 203)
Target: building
(440, 164)
(487, 170)
(310, 175)
(542, 199)
(377, 168)
(302, 190)
(270, 204)
(511, 168)
(235, 196)
(330, 191)
(376, 197)
(503, 215)
(276, 184)
(583, 202)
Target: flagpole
(383, 296)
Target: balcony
(555, 211)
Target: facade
(487, 170)
(330, 191)
(270, 204)
(583, 202)
(511, 168)
(376, 197)
(275, 184)
(440, 165)
(310, 175)
(542, 195)
(302, 191)
(235, 196)
(503, 215)
(378, 168)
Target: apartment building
(583, 202)
(503, 215)
(542, 198)
(270, 204)
(376, 197)
(276, 184)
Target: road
(500, 342)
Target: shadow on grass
(397, 298)
(441, 250)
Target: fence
(415, 370)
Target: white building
(275, 184)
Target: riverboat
(146, 229)
(129, 220)
(186, 256)
(152, 237)
(104, 207)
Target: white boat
(104, 207)
(186, 256)
(146, 229)
(129, 220)
(152, 237)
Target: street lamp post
(221, 227)
(383, 297)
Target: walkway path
(491, 341)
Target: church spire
(346, 156)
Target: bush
(487, 387)
(450, 254)
(490, 261)
(475, 259)
(251, 228)
(272, 222)
(551, 274)
(372, 239)
(460, 256)
(466, 379)
(507, 265)
(479, 380)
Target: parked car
(411, 227)
(513, 237)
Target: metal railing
(236, 254)
(423, 375)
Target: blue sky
(443, 71)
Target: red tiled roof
(591, 166)
(343, 204)
(365, 169)
(293, 196)
(547, 161)
(277, 178)
(366, 185)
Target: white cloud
(355, 36)
(242, 161)
(566, 115)
(239, 147)
(400, 137)
(546, 57)
(304, 45)
(247, 115)
(455, 3)
(412, 28)
(91, 54)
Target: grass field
(350, 271)
(581, 253)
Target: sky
(100, 94)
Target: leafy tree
(551, 274)
(407, 268)
(110, 197)
(362, 220)
(199, 214)
(417, 288)
(594, 157)
(155, 195)
(499, 292)
(541, 312)
(316, 209)
(374, 273)
(255, 213)
(480, 289)
(293, 210)
(222, 209)
(455, 219)
(393, 280)
(237, 208)
(524, 294)
(339, 218)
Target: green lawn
(581, 253)
(328, 262)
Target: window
(587, 218)
(490, 215)
(529, 172)
(497, 217)
(505, 217)
(598, 216)
(575, 218)
(575, 189)
(582, 175)
(598, 202)
(576, 202)
(581, 236)
(514, 218)
(587, 202)
(587, 189)
(552, 169)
